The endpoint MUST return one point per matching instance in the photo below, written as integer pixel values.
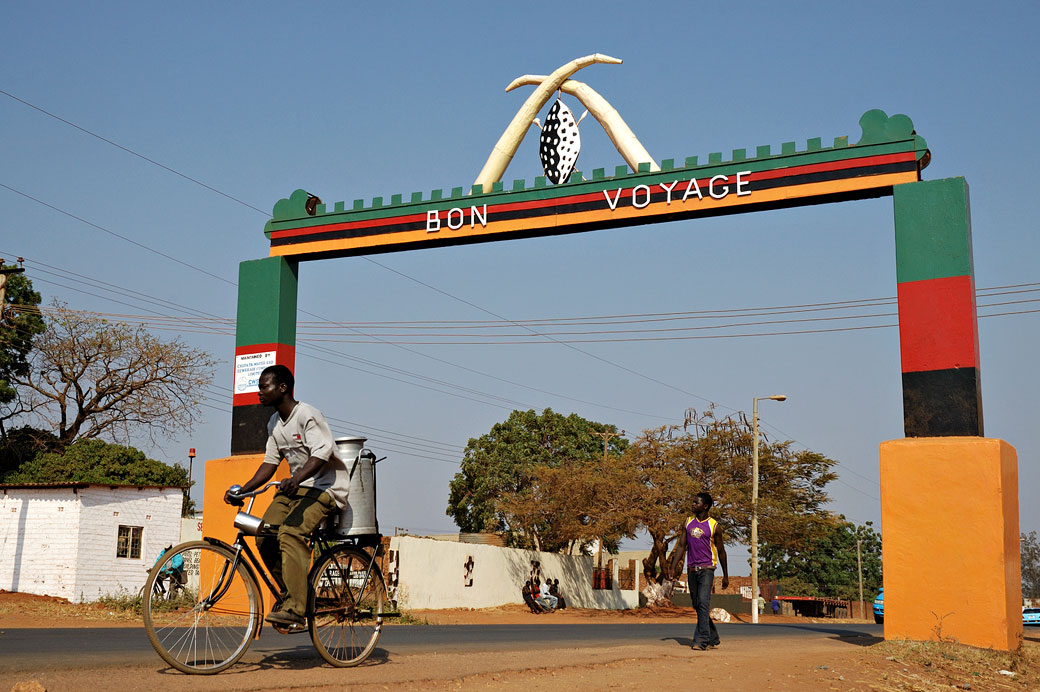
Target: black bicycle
(208, 625)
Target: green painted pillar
(265, 334)
(938, 327)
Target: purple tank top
(700, 546)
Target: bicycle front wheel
(207, 625)
(347, 604)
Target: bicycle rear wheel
(347, 611)
(206, 626)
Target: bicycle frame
(319, 540)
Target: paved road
(33, 649)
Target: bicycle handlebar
(235, 491)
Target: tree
(1030, 565)
(499, 470)
(89, 377)
(21, 445)
(97, 461)
(20, 321)
(713, 454)
(825, 563)
(571, 505)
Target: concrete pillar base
(217, 516)
(949, 519)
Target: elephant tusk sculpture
(625, 141)
(507, 144)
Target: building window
(129, 544)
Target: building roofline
(71, 485)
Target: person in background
(700, 540)
(561, 602)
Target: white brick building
(81, 541)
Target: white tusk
(625, 141)
(503, 151)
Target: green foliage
(824, 564)
(503, 464)
(22, 445)
(97, 461)
(20, 321)
(793, 586)
(1030, 565)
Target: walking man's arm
(720, 548)
(675, 566)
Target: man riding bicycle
(298, 433)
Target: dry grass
(49, 609)
(932, 666)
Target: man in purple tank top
(700, 540)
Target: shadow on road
(681, 641)
(301, 658)
(857, 638)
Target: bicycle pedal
(290, 629)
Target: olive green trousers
(288, 555)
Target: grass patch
(124, 602)
(932, 666)
(408, 619)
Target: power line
(117, 235)
(130, 151)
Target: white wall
(39, 542)
(62, 542)
(431, 574)
(100, 572)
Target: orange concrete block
(217, 517)
(949, 520)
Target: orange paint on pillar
(218, 517)
(949, 519)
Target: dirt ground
(820, 665)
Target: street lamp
(754, 501)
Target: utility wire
(129, 151)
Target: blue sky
(358, 101)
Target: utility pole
(191, 462)
(4, 273)
(859, 563)
(607, 436)
(754, 501)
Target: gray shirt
(303, 435)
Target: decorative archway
(927, 479)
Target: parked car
(879, 607)
(1031, 616)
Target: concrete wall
(433, 574)
(62, 542)
(39, 541)
(100, 572)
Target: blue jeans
(700, 581)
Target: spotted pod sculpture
(559, 144)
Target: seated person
(544, 598)
(561, 603)
(528, 596)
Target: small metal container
(247, 523)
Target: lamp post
(754, 501)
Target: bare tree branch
(88, 377)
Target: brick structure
(81, 541)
